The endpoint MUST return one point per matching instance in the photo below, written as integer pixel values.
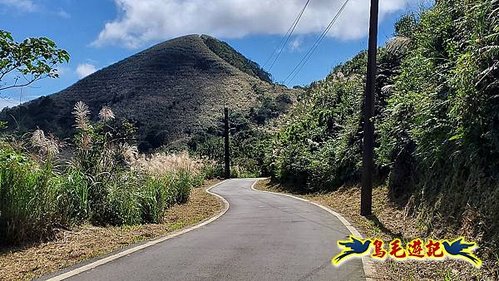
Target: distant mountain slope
(227, 53)
(171, 91)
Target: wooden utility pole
(368, 155)
(226, 146)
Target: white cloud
(296, 44)
(63, 14)
(85, 69)
(23, 5)
(143, 21)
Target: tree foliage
(28, 61)
(437, 119)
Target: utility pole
(368, 155)
(226, 146)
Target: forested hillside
(170, 92)
(437, 122)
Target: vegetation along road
(261, 237)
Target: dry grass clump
(47, 146)
(161, 163)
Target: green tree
(28, 61)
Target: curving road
(261, 237)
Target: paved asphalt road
(261, 237)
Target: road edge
(118, 255)
(367, 264)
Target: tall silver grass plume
(38, 138)
(339, 76)
(48, 146)
(106, 114)
(52, 147)
(161, 163)
(86, 142)
(81, 112)
(129, 152)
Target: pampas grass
(107, 182)
(160, 163)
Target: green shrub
(99, 185)
(180, 187)
(211, 170)
(124, 202)
(28, 198)
(154, 199)
(319, 148)
(73, 199)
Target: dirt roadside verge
(86, 242)
(390, 222)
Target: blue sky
(98, 33)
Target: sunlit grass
(106, 182)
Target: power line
(290, 34)
(285, 39)
(310, 52)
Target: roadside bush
(180, 187)
(319, 148)
(437, 122)
(124, 201)
(127, 188)
(28, 198)
(73, 199)
(445, 109)
(177, 173)
(161, 192)
(154, 199)
(106, 182)
(212, 169)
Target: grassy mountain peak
(170, 91)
